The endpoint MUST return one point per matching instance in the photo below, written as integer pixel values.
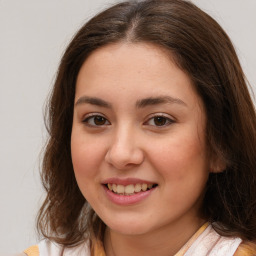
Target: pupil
(99, 120)
(159, 120)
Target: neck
(163, 241)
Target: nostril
(123, 156)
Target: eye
(96, 120)
(159, 120)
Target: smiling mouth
(130, 189)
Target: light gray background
(33, 36)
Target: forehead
(133, 70)
(128, 57)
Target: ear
(218, 164)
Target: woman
(152, 136)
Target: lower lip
(127, 200)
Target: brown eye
(96, 120)
(160, 120)
(99, 120)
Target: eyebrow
(158, 100)
(139, 103)
(93, 101)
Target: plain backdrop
(33, 36)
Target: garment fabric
(47, 248)
(205, 242)
(210, 243)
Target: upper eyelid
(86, 121)
(162, 115)
(86, 117)
(150, 116)
(169, 121)
(92, 115)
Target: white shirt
(209, 243)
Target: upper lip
(126, 181)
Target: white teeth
(120, 189)
(144, 187)
(137, 188)
(114, 188)
(129, 189)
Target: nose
(124, 151)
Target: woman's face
(138, 139)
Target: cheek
(86, 161)
(86, 155)
(180, 157)
(183, 167)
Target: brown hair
(200, 48)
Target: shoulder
(211, 243)
(46, 248)
(246, 249)
(32, 251)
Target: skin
(129, 143)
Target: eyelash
(166, 120)
(93, 118)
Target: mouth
(130, 189)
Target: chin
(129, 227)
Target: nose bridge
(124, 149)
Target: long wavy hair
(199, 47)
